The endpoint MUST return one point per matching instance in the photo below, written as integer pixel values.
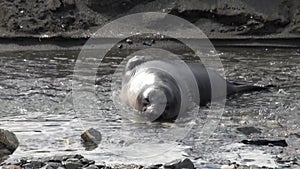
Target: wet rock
(248, 130)
(78, 156)
(86, 161)
(72, 163)
(52, 165)
(156, 166)
(61, 162)
(91, 138)
(281, 143)
(33, 164)
(100, 164)
(4, 157)
(8, 143)
(180, 164)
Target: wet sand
(35, 94)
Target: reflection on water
(36, 103)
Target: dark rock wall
(217, 18)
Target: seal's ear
(135, 61)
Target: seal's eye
(167, 107)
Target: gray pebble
(92, 135)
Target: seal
(160, 89)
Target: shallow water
(36, 102)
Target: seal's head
(154, 93)
(160, 101)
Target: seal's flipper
(237, 87)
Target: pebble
(91, 136)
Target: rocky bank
(217, 18)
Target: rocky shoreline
(217, 19)
(59, 162)
(78, 161)
(68, 24)
(91, 138)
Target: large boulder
(8, 143)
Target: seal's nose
(145, 103)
